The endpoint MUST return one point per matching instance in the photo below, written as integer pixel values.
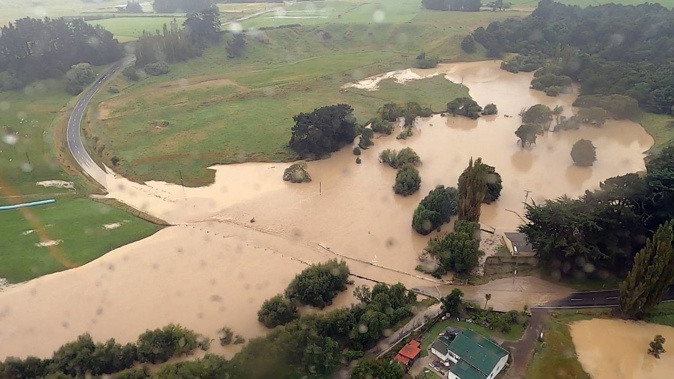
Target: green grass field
(130, 28)
(245, 113)
(79, 226)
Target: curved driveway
(74, 130)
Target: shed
(518, 244)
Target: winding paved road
(74, 130)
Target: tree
(651, 274)
(583, 153)
(157, 68)
(453, 303)
(159, 345)
(204, 25)
(557, 112)
(655, 347)
(408, 180)
(539, 114)
(487, 297)
(528, 133)
(390, 112)
(324, 130)
(131, 73)
(236, 45)
(363, 294)
(468, 45)
(318, 284)
(277, 311)
(494, 185)
(457, 251)
(366, 138)
(472, 190)
(435, 209)
(490, 109)
(78, 77)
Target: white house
(474, 356)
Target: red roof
(411, 351)
(405, 361)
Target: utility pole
(526, 197)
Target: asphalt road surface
(594, 299)
(74, 131)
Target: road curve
(74, 129)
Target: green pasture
(79, 227)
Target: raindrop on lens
(378, 16)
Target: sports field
(69, 233)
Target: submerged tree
(650, 276)
(324, 130)
(528, 133)
(472, 190)
(655, 347)
(408, 180)
(435, 209)
(583, 153)
(452, 303)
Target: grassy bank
(663, 315)
(555, 357)
(222, 110)
(660, 127)
(82, 229)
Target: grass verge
(662, 315)
(72, 231)
(660, 127)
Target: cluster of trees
(452, 5)
(379, 125)
(457, 251)
(436, 209)
(181, 6)
(177, 44)
(315, 286)
(536, 120)
(315, 345)
(397, 159)
(604, 48)
(318, 284)
(83, 357)
(423, 61)
(410, 111)
(551, 84)
(133, 7)
(520, 63)
(464, 106)
(617, 106)
(601, 231)
(33, 49)
(324, 130)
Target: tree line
(608, 49)
(176, 43)
(33, 49)
(85, 358)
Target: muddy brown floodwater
(216, 267)
(612, 349)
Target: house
(409, 353)
(478, 357)
(517, 244)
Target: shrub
(356, 150)
(552, 91)
(159, 345)
(131, 73)
(397, 159)
(464, 106)
(408, 180)
(468, 45)
(113, 90)
(114, 160)
(358, 160)
(380, 126)
(297, 173)
(405, 133)
(238, 340)
(490, 109)
(422, 61)
(78, 77)
(157, 68)
(366, 138)
(226, 336)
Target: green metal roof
(481, 353)
(440, 346)
(465, 371)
